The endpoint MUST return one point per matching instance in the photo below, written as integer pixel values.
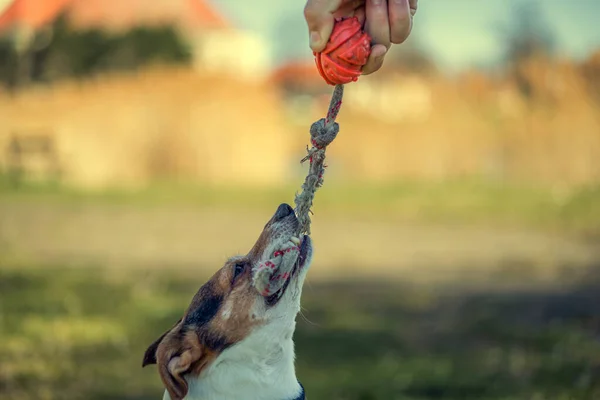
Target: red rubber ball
(345, 54)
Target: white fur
(261, 366)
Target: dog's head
(229, 307)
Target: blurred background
(456, 237)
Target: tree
(62, 51)
(528, 36)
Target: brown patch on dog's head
(218, 316)
(222, 313)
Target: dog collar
(302, 395)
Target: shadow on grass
(81, 333)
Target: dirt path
(123, 235)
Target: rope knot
(323, 134)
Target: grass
(81, 333)
(467, 201)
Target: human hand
(386, 21)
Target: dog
(233, 341)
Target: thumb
(319, 18)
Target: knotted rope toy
(339, 63)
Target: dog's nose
(283, 211)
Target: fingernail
(315, 39)
(379, 57)
(377, 2)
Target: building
(215, 44)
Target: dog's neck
(261, 367)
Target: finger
(348, 8)
(319, 18)
(413, 7)
(400, 20)
(360, 14)
(377, 23)
(375, 61)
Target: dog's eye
(238, 268)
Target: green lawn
(576, 211)
(81, 333)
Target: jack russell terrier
(234, 341)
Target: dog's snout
(283, 211)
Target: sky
(458, 33)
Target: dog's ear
(150, 354)
(180, 352)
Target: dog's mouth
(305, 248)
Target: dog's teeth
(295, 240)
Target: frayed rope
(270, 275)
(322, 133)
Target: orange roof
(123, 14)
(117, 14)
(31, 13)
(205, 15)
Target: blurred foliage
(590, 70)
(81, 333)
(527, 36)
(411, 56)
(8, 62)
(63, 51)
